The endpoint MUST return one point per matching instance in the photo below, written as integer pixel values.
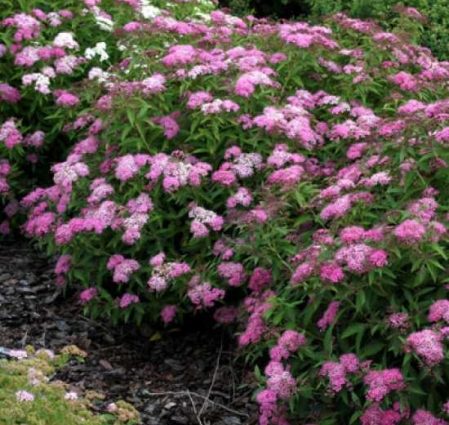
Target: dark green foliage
(433, 34)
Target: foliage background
(433, 33)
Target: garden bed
(177, 377)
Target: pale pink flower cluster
(280, 385)
(423, 209)
(242, 197)
(127, 299)
(280, 156)
(27, 26)
(204, 221)
(154, 84)
(198, 99)
(94, 220)
(66, 40)
(202, 294)
(361, 258)
(138, 210)
(35, 376)
(238, 165)
(23, 396)
(222, 250)
(66, 65)
(35, 139)
(180, 55)
(218, 106)
(287, 176)
(294, 121)
(68, 172)
(71, 396)
(18, 354)
(177, 171)
(100, 190)
(163, 272)
(234, 273)
(399, 321)
(405, 81)
(280, 380)
(41, 81)
(303, 35)
(247, 83)
(123, 268)
(10, 134)
(128, 166)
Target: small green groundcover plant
(28, 396)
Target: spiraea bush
(288, 177)
(46, 50)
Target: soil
(186, 376)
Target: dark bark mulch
(181, 377)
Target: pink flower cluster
(9, 134)
(5, 169)
(123, 268)
(127, 299)
(427, 344)
(202, 294)
(164, 272)
(177, 171)
(256, 305)
(382, 382)
(204, 221)
(234, 273)
(238, 165)
(62, 267)
(337, 372)
(288, 343)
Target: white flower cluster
(99, 74)
(148, 11)
(104, 23)
(41, 82)
(66, 40)
(99, 50)
(200, 15)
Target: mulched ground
(187, 377)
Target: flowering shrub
(44, 56)
(288, 177)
